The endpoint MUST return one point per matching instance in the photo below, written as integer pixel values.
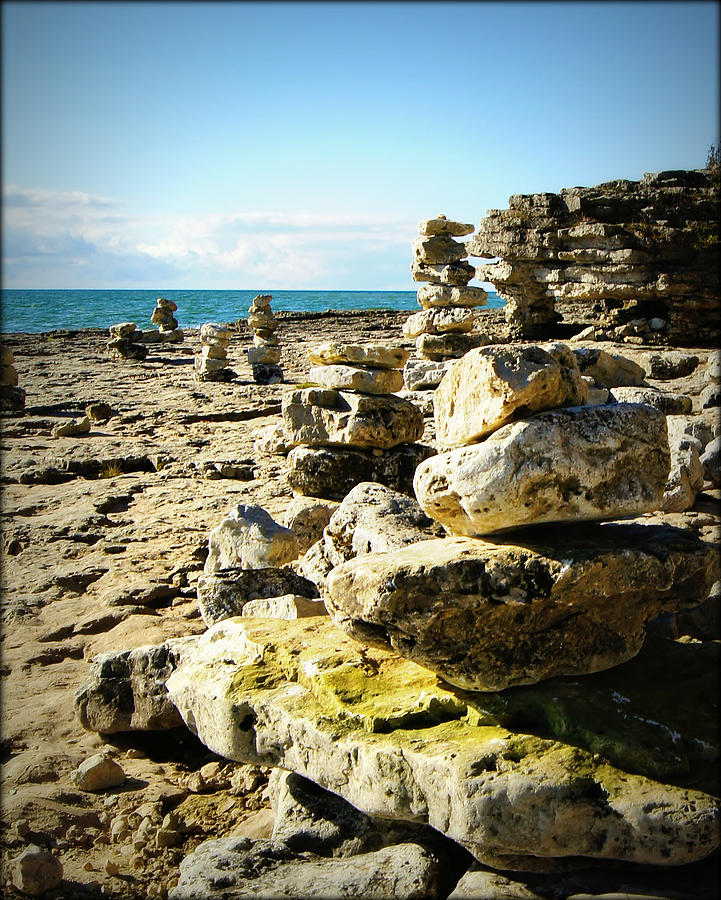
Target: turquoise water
(35, 311)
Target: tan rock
(265, 355)
(289, 606)
(438, 347)
(439, 296)
(442, 225)
(379, 356)
(307, 517)
(585, 463)
(356, 378)
(491, 385)
(98, 773)
(439, 321)
(437, 249)
(323, 417)
(489, 616)
(459, 273)
(36, 871)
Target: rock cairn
(164, 317)
(211, 364)
(264, 355)
(443, 329)
(125, 342)
(12, 397)
(642, 253)
(351, 427)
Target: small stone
(98, 773)
(122, 330)
(420, 374)
(36, 871)
(111, 867)
(267, 374)
(99, 412)
(289, 606)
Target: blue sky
(297, 145)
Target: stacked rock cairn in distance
(163, 316)
(443, 329)
(125, 341)
(211, 364)
(264, 355)
(352, 427)
(12, 397)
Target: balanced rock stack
(443, 328)
(352, 427)
(264, 355)
(211, 364)
(163, 316)
(12, 397)
(124, 342)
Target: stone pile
(642, 253)
(211, 364)
(443, 329)
(12, 397)
(264, 355)
(352, 427)
(125, 341)
(164, 317)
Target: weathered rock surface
(356, 378)
(125, 690)
(581, 463)
(442, 225)
(36, 871)
(490, 386)
(457, 273)
(672, 364)
(381, 356)
(249, 538)
(288, 606)
(439, 321)
(488, 616)
(307, 517)
(224, 593)
(448, 346)
(669, 404)
(239, 867)
(437, 249)
(420, 374)
(331, 472)
(388, 737)
(98, 773)
(440, 296)
(608, 369)
(322, 417)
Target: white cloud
(76, 239)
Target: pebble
(111, 867)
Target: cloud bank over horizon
(75, 240)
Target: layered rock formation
(352, 428)
(164, 317)
(264, 355)
(643, 253)
(211, 364)
(12, 397)
(125, 341)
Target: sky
(291, 145)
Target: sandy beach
(104, 536)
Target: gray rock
(289, 606)
(490, 616)
(668, 404)
(425, 373)
(307, 517)
(98, 773)
(126, 689)
(448, 346)
(224, 593)
(711, 462)
(710, 397)
(331, 472)
(249, 538)
(607, 369)
(267, 374)
(669, 365)
(36, 871)
(239, 867)
(457, 273)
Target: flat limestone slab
(453, 320)
(388, 737)
(489, 616)
(492, 385)
(584, 463)
(381, 356)
(440, 296)
(320, 417)
(367, 380)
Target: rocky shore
(114, 474)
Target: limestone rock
(320, 417)
(581, 463)
(36, 871)
(73, 429)
(98, 773)
(607, 369)
(249, 537)
(711, 462)
(393, 741)
(12, 399)
(356, 378)
(307, 517)
(457, 273)
(669, 404)
(448, 346)
(379, 356)
(710, 397)
(125, 690)
(669, 365)
(122, 329)
(224, 593)
(265, 355)
(315, 566)
(375, 519)
(267, 374)
(442, 225)
(288, 606)
(489, 616)
(230, 868)
(213, 332)
(455, 320)
(440, 296)
(686, 477)
(331, 472)
(420, 374)
(437, 249)
(492, 385)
